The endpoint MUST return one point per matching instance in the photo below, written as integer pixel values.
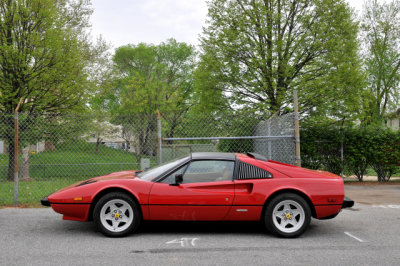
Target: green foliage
(150, 78)
(385, 159)
(47, 61)
(254, 53)
(320, 148)
(381, 35)
(359, 150)
(45, 55)
(363, 147)
(154, 77)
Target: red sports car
(205, 187)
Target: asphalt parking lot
(367, 234)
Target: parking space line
(356, 238)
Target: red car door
(206, 193)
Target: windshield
(151, 173)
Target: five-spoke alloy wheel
(287, 215)
(116, 214)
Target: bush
(320, 148)
(357, 150)
(385, 153)
(376, 147)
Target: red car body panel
(239, 200)
(73, 212)
(198, 201)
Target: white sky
(121, 22)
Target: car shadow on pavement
(165, 227)
(187, 227)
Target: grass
(30, 192)
(371, 172)
(67, 164)
(76, 159)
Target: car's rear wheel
(287, 215)
(116, 214)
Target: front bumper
(347, 203)
(45, 202)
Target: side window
(171, 178)
(208, 171)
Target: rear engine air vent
(248, 171)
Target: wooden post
(16, 154)
(159, 139)
(297, 128)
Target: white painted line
(184, 241)
(356, 238)
(391, 206)
(379, 206)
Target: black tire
(107, 198)
(278, 200)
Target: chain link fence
(55, 151)
(280, 146)
(272, 138)
(58, 150)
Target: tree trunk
(98, 141)
(10, 142)
(24, 172)
(9, 137)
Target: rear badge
(241, 210)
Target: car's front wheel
(116, 214)
(287, 215)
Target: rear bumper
(347, 203)
(45, 202)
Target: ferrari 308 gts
(205, 187)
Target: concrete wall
(394, 123)
(39, 147)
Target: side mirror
(178, 180)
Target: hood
(117, 175)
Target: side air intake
(248, 171)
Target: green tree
(151, 78)
(46, 59)
(255, 52)
(381, 35)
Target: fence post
(296, 128)
(16, 154)
(269, 140)
(341, 159)
(159, 139)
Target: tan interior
(207, 177)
